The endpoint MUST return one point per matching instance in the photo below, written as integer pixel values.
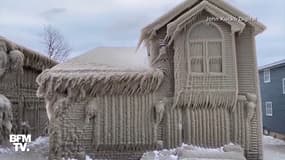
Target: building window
(205, 48)
(268, 108)
(283, 85)
(267, 76)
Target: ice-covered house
(201, 89)
(19, 67)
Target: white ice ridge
(230, 152)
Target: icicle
(16, 58)
(3, 59)
(251, 105)
(100, 83)
(6, 117)
(159, 109)
(91, 110)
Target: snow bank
(274, 149)
(272, 141)
(229, 151)
(40, 141)
(40, 145)
(6, 150)
(86, 158)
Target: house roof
(32, 58)
(124, 57)
(170, 16)
(272, 65)
(87, 76)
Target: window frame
(196, 57)
(266, 73)
(268, 109)
(206, 57)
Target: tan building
(201, 89)
(19, 68)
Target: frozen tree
(55, 45)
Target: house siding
(273, 92)
(248, 83)
(20, 89)
(122, 124)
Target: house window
(268, 108)
(267, 76)
(205, 48)
(283, 85)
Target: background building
(19, 67)
(272, 87)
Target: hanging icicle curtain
(22, 56)
(6, 118)
(99, 82)
(3, 59)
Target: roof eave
(272, 65)
(162, 20)
(151, 28)
(42, 63)
(99, 83)
(178, 24)
(169, 16)
(258, 26)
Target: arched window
(205, 48)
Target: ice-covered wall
(6, 118)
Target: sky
(87, 24)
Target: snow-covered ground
(274, 149)
(38, 151)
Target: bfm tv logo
(20, 141)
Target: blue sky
(87, 24)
